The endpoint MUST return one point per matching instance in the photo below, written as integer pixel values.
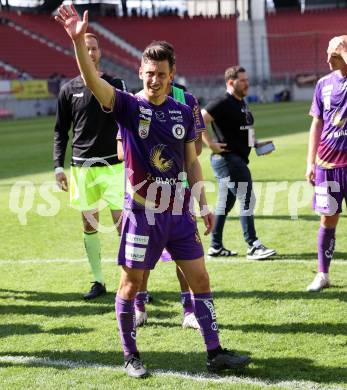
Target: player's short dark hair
(232, 73)
(91, 35)
(159, 51)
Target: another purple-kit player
(157, 137)
(327, 154)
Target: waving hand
(72, 23)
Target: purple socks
(125, 313)
(326, 245)
(187, 303)
(140, 300)
(206, 317)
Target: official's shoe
(134, 367)
(220, 252)
(258, 251)
(96, 290)
(140, 318)
(320, 281)
(190, 321)
(227, 360)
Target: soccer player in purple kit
(327, 154)
(158, 135)
(189, 320)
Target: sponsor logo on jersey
(146, 118)
(145, 110)
(337, 134)
(78, 94)
(144, 128)
(160, 115)
(157, 159)
(337, 119)
(178, 118)
(327, 89)
(196, 112)
(169, 181)
(178, 131)
(327, 102)
(175, 112)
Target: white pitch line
(218, 260)
(299, 385)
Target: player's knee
(129, 287)
(202, 282)
(329, 221)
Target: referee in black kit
(96, 173)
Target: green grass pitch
(51, 339)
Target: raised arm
(76, 28)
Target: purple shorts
(330, 190)
(142, 243)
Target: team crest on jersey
(178, 131)
(144, 128)
(158, 161)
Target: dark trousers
(234, 182)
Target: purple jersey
(192, 102)
(330, 104)
(153, 140)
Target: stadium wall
(28, 108)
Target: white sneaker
(140, 318)
(320, 281)
(259, 252)
(220, 252)
(190, 321)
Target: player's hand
(61, 180)
(209, 220)
(310, 174)
(218, 147)
(72, 23)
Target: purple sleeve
(316, 109)
(194, 105)
(191, 133)
(124, 109)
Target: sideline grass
(297, 340)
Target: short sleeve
(124, 108)
(191, 133)
(316, 109)
(216, 108)
(193, 103)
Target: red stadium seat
(204, 46)
(31, 56)
(298, 42)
